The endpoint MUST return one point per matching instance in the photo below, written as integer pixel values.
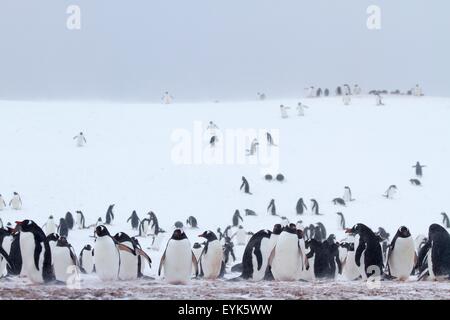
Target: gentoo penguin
(350, 270)
(256, 256)
(241, 236)
(35, 252)
(63, 229)
(283, 110)
(212, 127)
(415, 182)
(368, 253)
(80, 139)
(401, 256)
(272, 208)
(348, 194)
(301, 109)
(178, 259)
(50, 226)
(236, 217)
(106, 255)
(445, 220)
(418, 168)
(178, 225)
(320, 233)
(301, 206)
(143, 227)
(154, 224)
(15, 202)
(324, 260)
(249, 212)
(192, 222)
(69, 220)
(390, 192)
(253, 147)
(213, 140)
(211, 257)
(245, 185)
(52, 239)
(141, 257)
(315, 207)
(228, 250)
(64, 260)
(270, 139)
(285, 259)
(2, 203)
(109, 215)
(384, 240)
(128, 269)
(86, 259)
(134, 220)
(341, 221)
(80, 220)
(14, 254)
(6, 240)
(268, 177)
(339, 201)
(438, 256)
(280, 177)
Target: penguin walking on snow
(69, 220)
(106, 255)
(80, 139)
(49, 226)
(109, 215)
(211, 258)
(401, 256)
(81, 223)
(418, 168)
(2, 203)
(301, 109)
(86, 259)
(301, 206)
(236, 217)
(245, 185)
(390, 192)
(348, 194)
(134, 220)
(341, 220)
(272, 208)
(64, 260)
(315, 207)
(63, 229)
(178, 259)
(241, 236)
(445, 220)
(16, 202)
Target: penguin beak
(348, 230)
(201, 235)
(18, 227)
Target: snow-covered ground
(129, 161)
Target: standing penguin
(301, 206)
(445, 220)
(212, 127)
(228, 250)
(63, 229)
(211, 257)
(390, 192)
(339, 201)
(341, 221)
(2, 203)
(272, 208)
(109, 215)
(319, 92)
(338, 91)
(106, 255)
(315, 207)
(178, 259)
(236, 217)
(350, 270)
(143, 227)
(379, 99)
(64, 260)
(128, 269)
(192, 222)
(401, 256)
(69, 220)
(255, 259)
(347, 194)
(154, 224)
(245, 185)
(167, 98)
(283, 110)
(241, 236)
(15, 255)
(35, 252)
(418, 168)
(6, 240)
(81, 140)
(80, 220)
(346, 99)
(86, 259)
(49, 226)
(253, 147)
(134, 220)
(16, 202)
(301, 109)
(438, 256)
(270, 139)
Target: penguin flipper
(145, 255)
(123, 247)
(272, 255)
(195, 263)
(161, 263)
(259, 258)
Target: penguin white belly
(178, 262)
(301, 113)
(346, 196)
(27, 246)
(88, 261)
(286, 260)
(241, 238)
(79, 221)
(80, 141)
(197, 252)
(158, 241)
(308, 275)
(2, 204)
(16, 204)
(6, 245)
(265, 248)
(128, 266)
(430, 264)
(144, 228)
(62, 263)
(401, 261)
(106, 259)
(350, 270)
(50, 227)
(212, 261)
(362, 267)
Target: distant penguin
(320, 233)
(401, 255)
(445, 220)
(211, 257)
(35, 252)
(253, 147)
(86, 259)
(192, 222)
(64, 260)
(213, 140)
(438, 256)
(241, 236)
(301, 109)
(270, 139)
(178, 225)
(99, 222)
(50, 226)
(301, 206)
(390, 192)
(280, 177)
(384, 240)
(418, 168)
(6, 239)
(178, 259)
(415, 182)
(134, 220)
(236, 217)
(249, 212)
(283, 110)
(348, 194)
(272, 208)
(256, 256)
(16, 202)
(228, 250)
(109, 215)
(268, 177)
(212, 127)
(341, 221)
(106, 255)
(63, 229)
(69, 220)
(338, 91)
(315, 207)
(2, 203)
(326, 92)
(339, 201)
(143, 227)
(80, 139)
(245, 185)
(154, 224)
(81, 223)
(319, 92)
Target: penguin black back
(69, 220)
(109, 215)
(63, 228)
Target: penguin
(52, 239)
(256, 256)
(324, 264)
(319, 92)
(80, 139)
(384, 239)
(35, 252)
(167, 98)
(141, 257)
(301, 206)
(154, 224)
(63, 229)
(49, 226)
(338, 91)
(283, 110)
(415, 182)
(212, 127)
(320, 233)
(390, 192)
(341, 221)
(211, 258)
(315, 207)
(347, 194)
(178, 225)
(2, 203)
(134, 220)
(69, 220)
(339, 201)
(86, 259)
(326, 92)
(438, 256)
(280, 177)
(241, 236)
(128, 269)
(378, 99)
(6, 240)
(228, 250)
(245, 185)
(64, 260)
(197, 249)
(16, 202)
(178, 259)
(401, 256)
(268, 177)
(270, 139)
(301, 109)
(99, 222)
(236, 217)
(143, 227)
(350, 270)
(368, 253)
(418, 168)
(253, 147)
(109, 215)
(106, 255)
(192, 222)
(249, 212)
(445, 220)
(80, 220)
(272, 208)
(213, 140)
(15, 256)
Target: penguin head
(52, 237)
(15, 193)
(179, 224)
(50, 217)
(178, 234)
(101, 231)
(197, 245)
(339, 214)
(27, 226)
(403, 232)
(62, 220)
(331, 239)
(62, 242)
(300, 233)
(277, 229)
(437, 231)
(122, 237)
(87, 247)
(208, 235)
(358, 229)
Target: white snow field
(128, 160)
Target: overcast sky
(219, 49)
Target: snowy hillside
(128, 161)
